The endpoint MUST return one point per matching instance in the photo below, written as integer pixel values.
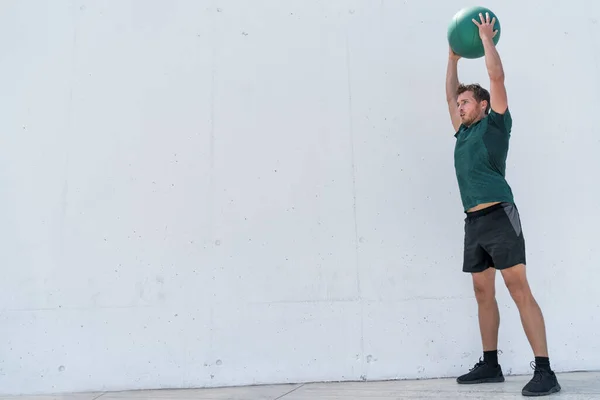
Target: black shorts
(493, 238)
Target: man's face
(469, 109)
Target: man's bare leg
(489, 322)
(529, 310)
(544, 380)
(488, 313)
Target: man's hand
(453, 56)
(486, 27)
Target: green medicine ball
(463, 34)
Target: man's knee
(484, 294)
(483, 285)
(516, 283)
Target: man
(493, 236)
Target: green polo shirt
(480, 160)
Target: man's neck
(476, 120)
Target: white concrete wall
(205, 193)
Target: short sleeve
(502, 121)
(461, 128)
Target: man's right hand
(453, 56)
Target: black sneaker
(482, 372)
(543, 383)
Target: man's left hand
(486, 27)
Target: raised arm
(498, 97)
(451, 87)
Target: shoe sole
(555, 389)
(498, 379)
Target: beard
(468, 119)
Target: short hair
(479, 93)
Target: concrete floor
(578, 386)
